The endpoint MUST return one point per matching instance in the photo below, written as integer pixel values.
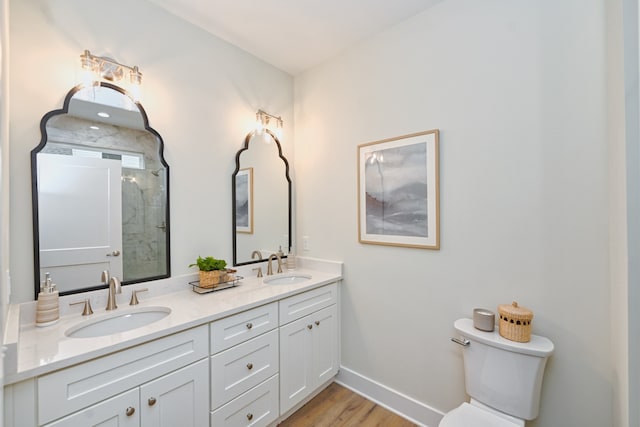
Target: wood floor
(337, 406)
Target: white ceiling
(294, 35)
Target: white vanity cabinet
(250, 368)
(244, 368)
(160, 383)
(308, 343)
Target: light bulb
(135, 76)
(135, 91)
(88, 69)
(259, 122)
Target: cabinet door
(325, 345)
(180, 398)
(119, 411)
(295, 362)
(308, 355)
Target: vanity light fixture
(263, 119)
(100, 67)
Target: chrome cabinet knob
(114, 253)
(249, 366)
(309, 326)
(130, 411)
(249, 325)
(152, 401)
(317, 323)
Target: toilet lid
(467, 415)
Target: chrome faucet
(269, 268)
(114, 288)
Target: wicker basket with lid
(515, 322)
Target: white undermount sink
(120, 320)
(287, 279)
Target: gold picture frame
(398, 191)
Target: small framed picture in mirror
(244, 201)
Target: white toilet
(502, 377)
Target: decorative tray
(195, 286)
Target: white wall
(617, 216)
(4, 157)
(4, 181)
(632, 146)
(200, 94)
(517, 90)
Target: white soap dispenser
(47, 306)
(291, 260)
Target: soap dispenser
(47, 306)
(291, 260)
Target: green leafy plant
(209, 264)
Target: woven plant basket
(211, 279)
(515, 322)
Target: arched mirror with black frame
(261, 199)
(100, 193)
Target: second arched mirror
(261, 199)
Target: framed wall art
(398, 191)
(244, 201)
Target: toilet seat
(467, 415)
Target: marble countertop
(39, 350)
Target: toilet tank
(503, 374)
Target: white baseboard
(405, 406)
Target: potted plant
(212, 271)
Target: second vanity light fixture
(263, 120)
(100, 67)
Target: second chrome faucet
(269, 268)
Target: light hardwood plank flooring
(337, 406)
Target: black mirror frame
(34, 189)
(247, 140)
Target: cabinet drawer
(298, 306)
(256, 408)
(240, 327)
(239, 368)
(80, 386)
